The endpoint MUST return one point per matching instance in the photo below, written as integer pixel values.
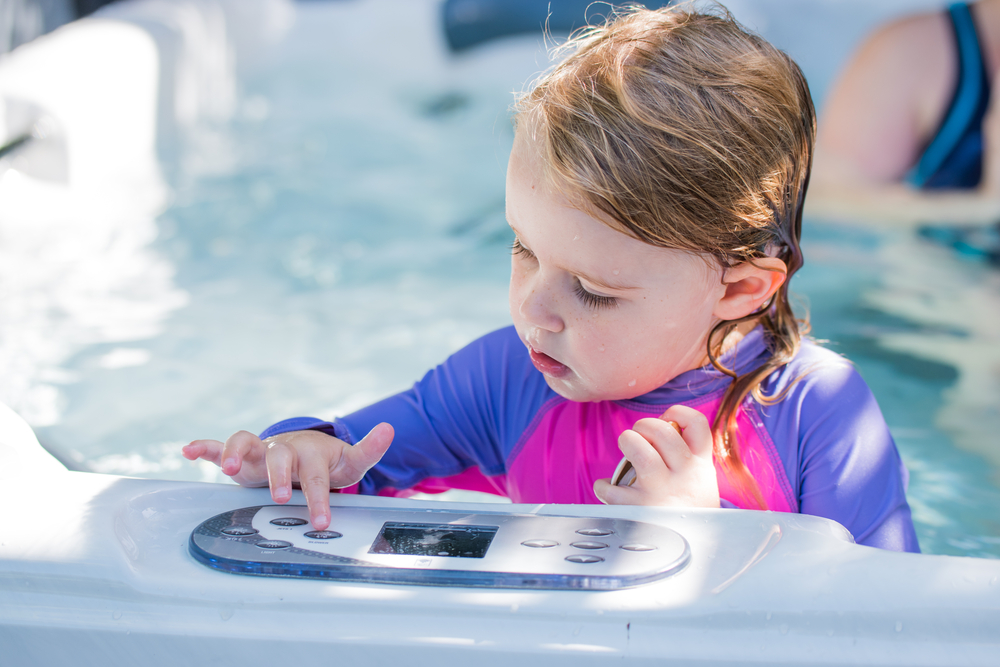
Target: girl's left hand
(672, 469)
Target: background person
(910, 132)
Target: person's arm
(456, 426)
(898, 205)
(452, 427)
(849, 468)
(878, 117)
(887, 101)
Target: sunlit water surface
(346, 232)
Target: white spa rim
(96, 570)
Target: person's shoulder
(817, 371)
(812, 366)
(499, 355)
(908, 49)
(495, 372)
(816, 353)
(500, 343)
(909, 35)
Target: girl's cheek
(514, 291)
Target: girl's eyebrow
(601, 283)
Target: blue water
(344, 232)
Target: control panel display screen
(427, 539)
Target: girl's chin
(572, 389)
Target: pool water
(344, 232)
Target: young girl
(655, 189)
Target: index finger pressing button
(324, 534)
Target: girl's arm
(453, 428)
(847, 467)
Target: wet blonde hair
(686, 131)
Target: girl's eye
(594, 300)
(519, 250)
(588, 298)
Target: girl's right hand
(317, 462)
(673, 461)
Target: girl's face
(604, 315)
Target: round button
(289, 521)
(273, 544)
(589, 545)
(638, 547)
(239, 530)
(540, 544)
(595, 532)
(323, 534)
(584, 558)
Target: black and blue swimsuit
(954, 156)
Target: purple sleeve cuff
(334, 428)
(726, 505)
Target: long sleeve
(459, 421)
(847, 467)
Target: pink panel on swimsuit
(469, 480)
(575, 444)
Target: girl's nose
(538, 306)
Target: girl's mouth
(547, 364)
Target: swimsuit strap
(967, 104)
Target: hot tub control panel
(441, 548)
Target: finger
(209, 450)
(314, 479)
(672, 449)
(609, 494)
(280, 458)
(695, 429)
(236, 449)
(357, 460)
(649, 465)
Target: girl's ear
(748, 286)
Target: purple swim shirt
(486, 420)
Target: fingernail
(282, 494)
(229, 463)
